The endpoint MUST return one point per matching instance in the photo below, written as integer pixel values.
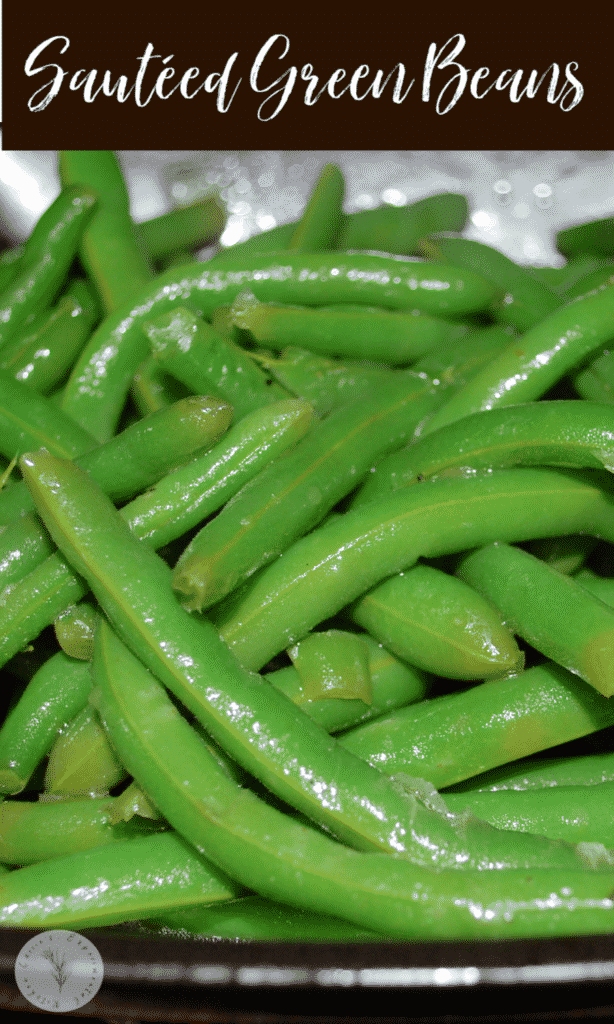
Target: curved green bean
(101, 377)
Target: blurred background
(518, 199)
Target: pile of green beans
(305, 574)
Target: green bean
(387, 228)
(600, 586)
(28, 420)
(325, 383)
(526, 300)
(81, 761)
(33, 832)
(580, 814)
(425, 618)
(130, 803)
(133, 587)
(393, 683)
(74, 630)
(333, 664)
(128, 463)
(184, 227)
(338, 562)
(549, 610)
(254, 917)
(54, 695)
(101, 377)
(321, 222)
(594, 236)
(531, 365)
(599, 277)
(566, 554)
(42, 358)
(456, 737)
(452, 364)
(135, 878)
(294, 863)
(9, 265)
(197, 667)
(109, 249)
(153, 388)
(396, 338)
(543, 773)
(285, 500)
(180, 501)
(555, 433)
(197, 355)
(46, 259)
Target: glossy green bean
(395, 338)
(287, 499)
(203, 360)
(130, 462)
(294, 863)
(543, 773)
(302, 763)
(424, 617)
(321, 223)
(33, 832)
(74, 630)
(393, 684)
(153, 388)
(28, 420)
(54, 695)
(566, 554)
(180, 501)
(333, 663)
(132, 879)
(110, 250)
(184, 227)
(43, 358)
(254, 917)
(594, 236)
(526, 300)
(325, 383)
(386, 229)
(338, 562)
(528, 367)
(46, 259)
(99, 383)
(456, 737)
(579, 814)
(555, 433)
(81, 761)
(551, 611)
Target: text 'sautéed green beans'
(554, 613)
(100, 380)
(338, 562)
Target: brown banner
(140, 76)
